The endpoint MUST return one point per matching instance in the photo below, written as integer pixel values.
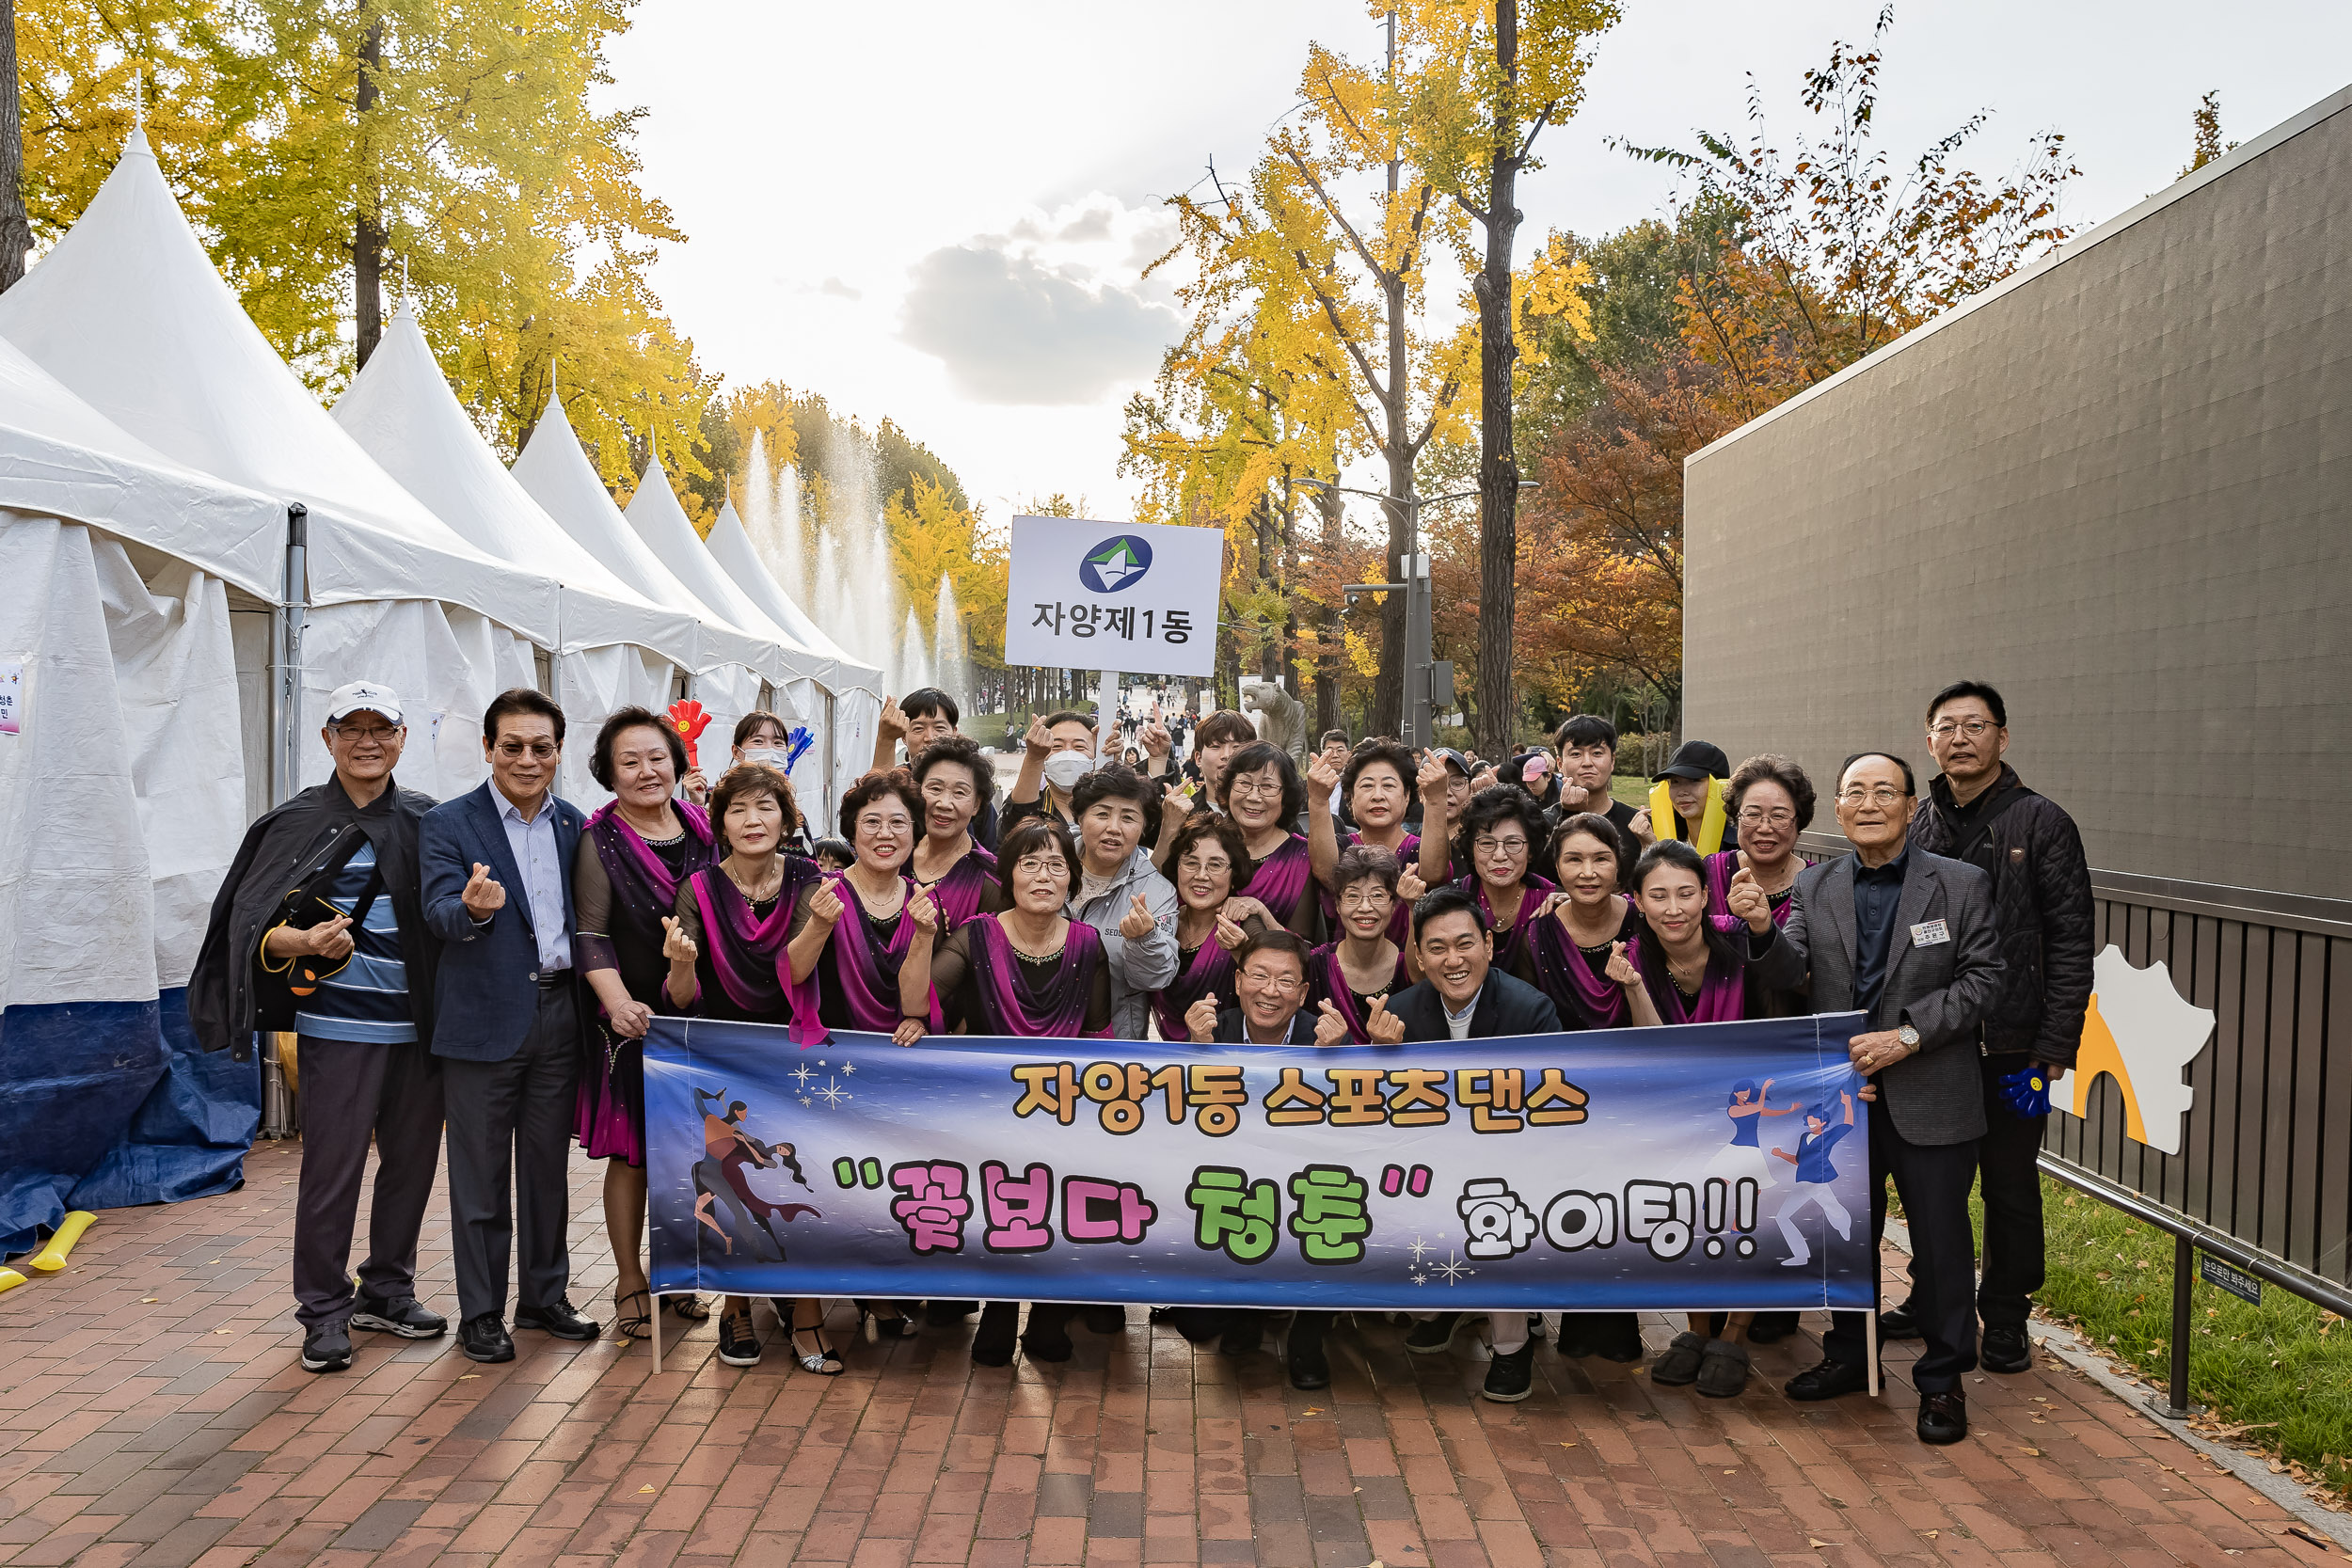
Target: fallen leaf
(1567, 1445)
(147, 1301)
(1934, 1533)
(224, 1331)
(2036, 1452)
(1731, 1472)
(1810, 1541)
(467, 1377)
(642, 1490)
(1312, 1410)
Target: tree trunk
(1269, 643)
(1286, 528)
(1497, 469)
(1328, 632)
(16, 232)
(367, 235)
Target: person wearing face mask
(1260, 790)
(766, 738)
(1491, 849)
(1212, 920)
(639, 847)
(1378, 785)
(1465, 997)
(1365, 966)
(1059, 752)
(1686, 802)
(1029, 971)
(920, 718)
(957, 786)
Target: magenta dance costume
(609, 1118)
(1281, 883)
(1585, 996)
(1209, 968)
(1507, 943)
(1009, 1004)
(855, 983)
(742, 969)
(1762, 1002)
(1401, 921)
(958, 893)
(1327, 982)
(1722, 993)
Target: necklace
(751, 894)
(1021, 951)
(1687, 977)
(866, 899)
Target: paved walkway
(158, 1415)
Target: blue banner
(1706, 1167)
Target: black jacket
(1505, 1006)
(229, 998)
(1232, 1031)
(2042, 906)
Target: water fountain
(914, 669)
(951, 668)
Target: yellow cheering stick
(9, 1279)
(50, 1259)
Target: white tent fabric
(662, 525)
(731, 545)
(129, 312)
(445, 663)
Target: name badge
(1928, 933)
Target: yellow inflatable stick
(1710, 836)
(50, 1259)
(11, 1279)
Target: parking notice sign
(1140, 597)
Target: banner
(1704, 1167)
(1137, 597)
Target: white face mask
(1063, 770)
(771, 756)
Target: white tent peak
(661, 523)
(730, 546)
(129, 311)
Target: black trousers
(349, 1091)
(513, 1120)
(2010, 1181)
(1934, 1180)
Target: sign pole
(1106, 718)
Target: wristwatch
(1909, 1035)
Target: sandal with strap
(896, 1326)
(692, 1310)
(628, 1325)
(824, 1360)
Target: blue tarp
(112, 1103)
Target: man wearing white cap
(319, 928)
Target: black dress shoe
(484, 1339)
(1617, 1336)
(401, 1315)
(1576, 1333)
(1000, 1323)
(557, 1318)
(1771, 1328)
(1943, 1418)
(1309, 1365)
(1107, 1320)
(1511, 1375)
(326, 1349)
(1047, 1338)
(1900, 1323)
(1829, 1379)
(2005, 1350)
(1246, 1336)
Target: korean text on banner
(1713, 1167)
(1139, 597)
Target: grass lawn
(2278, 1376)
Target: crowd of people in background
(493, 964)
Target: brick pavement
(158, 1415)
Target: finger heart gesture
(1138, 922)
(676, 946)
(1621, 968)
(484, 896)
(1384, 1027)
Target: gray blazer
(1942, 990)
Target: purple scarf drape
(1060, 1011)
(746, 954)
(1723, 994)
(958, 893)
(1721, 867)
(1564, 974)
(1280, 880)
(867, 976)
(1327, 982)
(1507, 943)
(1211, 970)
(642, 889)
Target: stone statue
(1282, 718)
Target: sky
(941, 212)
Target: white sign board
(1138, 598)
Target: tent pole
(277, 1117)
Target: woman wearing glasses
(1353, 978)
(1206, 861)
(1490, 856)
(1031, 972)
(1260, 791)
(1772, 800)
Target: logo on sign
(1114, 563)
(2140, 1032)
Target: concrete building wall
(2120, 489)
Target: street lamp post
(1420, 668)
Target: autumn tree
(2206, 144)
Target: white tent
(848, 740)
(734, 663)
(614, 646)
(122, 794)
(129, 312)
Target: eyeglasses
(1030, 865)
(1499, 846)
(1756, 818)
(1281, 985)
(512, 749)
(1943, 729)
(873, 822)
(1365, 896)
(1257, 789)
(377, 733)
(1882, 795)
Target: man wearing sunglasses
(318, 929)
(498, 891)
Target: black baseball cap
(1696, 759)
(1454, 759)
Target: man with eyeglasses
(1906, 938)
(1978, 811)
(498, 891)
(319, 928)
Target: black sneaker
(1434, 1336)
(1943, 1418)
(1309, 1364)
(558, 1318)
(1000, 1324)
(400, 1315)
(484, 1339)
(326, 1349)
(1047, 1338)
(1829, 1378)
(2005, 1350)
(738, 1346)
(1899, 1324)
(1511, 1378)
(1679, 1366)
(1107, 1320)
(1534, 1325)
(1771, 1328)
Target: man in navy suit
(497, 893)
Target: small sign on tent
(11, 696)
(1139, 597)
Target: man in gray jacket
(1120, 893)
(1907, 938)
